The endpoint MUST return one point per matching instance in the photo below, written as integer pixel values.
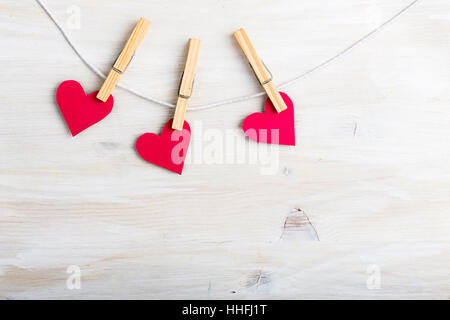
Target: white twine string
(232, 100)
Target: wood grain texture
(180, 113)
(187, 83)
(134, 41)
(370, 172)
(261, 72)
(108, 85)
(124, 59)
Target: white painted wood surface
(370, 169)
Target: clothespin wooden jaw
(186, 84)
(124, 59)
(261, 72)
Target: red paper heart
(78, 109)
(167, 150)
(271, 126)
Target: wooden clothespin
(186, 84)
(262, 73)
(124, 59)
